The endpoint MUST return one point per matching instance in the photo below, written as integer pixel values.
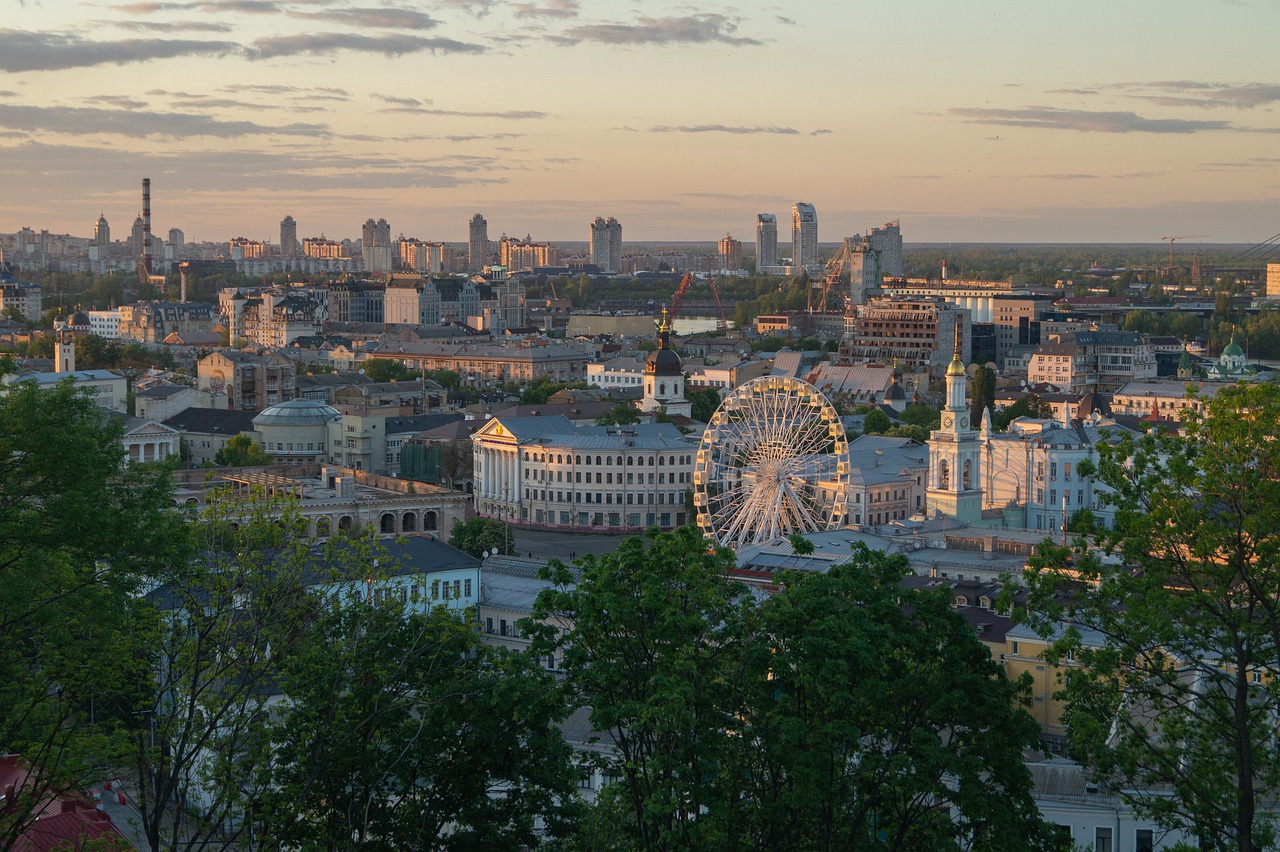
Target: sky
(973, 121)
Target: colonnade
(499, 474)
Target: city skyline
(979, 122)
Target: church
(1025, 478)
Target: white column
(509, 480)
(484, 472)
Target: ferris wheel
(773, 461)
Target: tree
(652, 630)
(479, 536)
(983, 395)
(870, 714)
(79, 533)
(876, 422)
(405, 732)
(703, 403)
(242, 451)
(1177, 633)
(386, 370)
(1030, 405)
(925, 416)
(620, 415)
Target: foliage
(703, 403)
(926, 416)
(404, 729)
(915, 433)
(543, 387)
(869, 713)
(479, 536)
(242, 451)
(876, 422)
(1177, 689)
(982, 393)
(79, 533)
(653, 625)
(621, 414)
(386, 370)
(1030, 405)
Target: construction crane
(835, 268)
(721, 323)
(1169, 271)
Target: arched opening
(968, 474)
(944, 475)
(409, 522)
(388, 524)
(429, 522)
(324, 527)
(344, 523)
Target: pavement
(542, 544)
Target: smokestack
(182, 270)
(944, 269)
(146, 224)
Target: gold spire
(957, 366)
(662, 324)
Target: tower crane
(1171, 240)
(721, 323)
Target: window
(1102, 839)
(1144, 840)
(467, 588)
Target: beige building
(480, 363)
(245, 381)
(1273, 280)
(543, 472)
(917, 332)
(109, 390)
(1165, 398)
(1104, 360)
(152, 322)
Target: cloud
(118, 101)
(721, 128)
(403, 102)
(84, 121)
(168, 26)
(376, 18)
(1084, 120)
(246, 7)
(552, 9)
(1072, 91)
(821, 131)
(21, 50)
(514, 114)
(8, 93)
(1202, 94)
(328, 43)
(691, 29)
(327, 93)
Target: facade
(477, 243)
(1165, 398)
(162, 401)
(1104, 360)
(319, 247)
(357, 302)
(271, 318)
(488, 363)
(288, 237)
(543, 472)
(109, 390)
(243, 381)
(887, 241)
(496, 305)
(425, 258)
(1017, 326)
(766, 241)
(517, 255)
(865, 271)
(101, 232)
(886, 479)
(804, 235)
(19, 297)
(917, 332)
(207, 430)
(105, 324)
(730, 252)
(147, 441)
(606, 244)
(1273, 280)
(243, 248)
(977, 296)
(152, 322)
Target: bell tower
(955, 452)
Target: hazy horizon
(983, 122)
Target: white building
(766, 241)
(1079, 360)
(804, 235)
(606, 244)
(543, 472)
(105, 324)
(622, 372)
(664, 377)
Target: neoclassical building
(544, 472)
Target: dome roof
(956, 368)
(895, 391)
(296, 412)
(80, 318)
(663, 362)
(1233, 350)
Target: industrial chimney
(146, 224)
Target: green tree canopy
(1177, 635)
(479, 536)
(242, 451)
(876, 422)
(621, 414)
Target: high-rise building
(606, 244)
(288, 237)
(888, 241)
(766, 240)
(804, 234)
(730, 252)
(477, 244)
(375, 235)
(137, 237)
(102, 232)
(177, 239)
